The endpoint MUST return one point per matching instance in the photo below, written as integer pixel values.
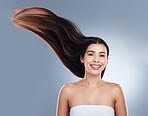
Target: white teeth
(95, 66)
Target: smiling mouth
(95, 67)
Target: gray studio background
(31, 75)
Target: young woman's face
(95, 59)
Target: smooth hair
(60, 34)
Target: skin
(92, 90)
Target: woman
(85, 57)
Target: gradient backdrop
(31, 75)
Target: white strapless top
(92, 110)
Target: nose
(96, 59)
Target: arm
(62, 104)
(120, 104)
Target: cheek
(88, 60)
(104, 61)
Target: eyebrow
(94, 51)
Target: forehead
(97, 48)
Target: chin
(96, 73)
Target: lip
(95, 64)
(95, 68)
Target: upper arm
(120, 103)
(62, 102)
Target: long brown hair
(60, 34)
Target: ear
(107, 60)
(81, 59)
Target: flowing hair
(60, 34)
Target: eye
(90, 54)
(102, 55)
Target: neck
(92, 80)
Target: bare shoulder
(62, 106)
(116, 88)
(68, 86)
(111, 85)
(117, 91)
(66, 89)
(120, 102)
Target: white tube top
(92, 110)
